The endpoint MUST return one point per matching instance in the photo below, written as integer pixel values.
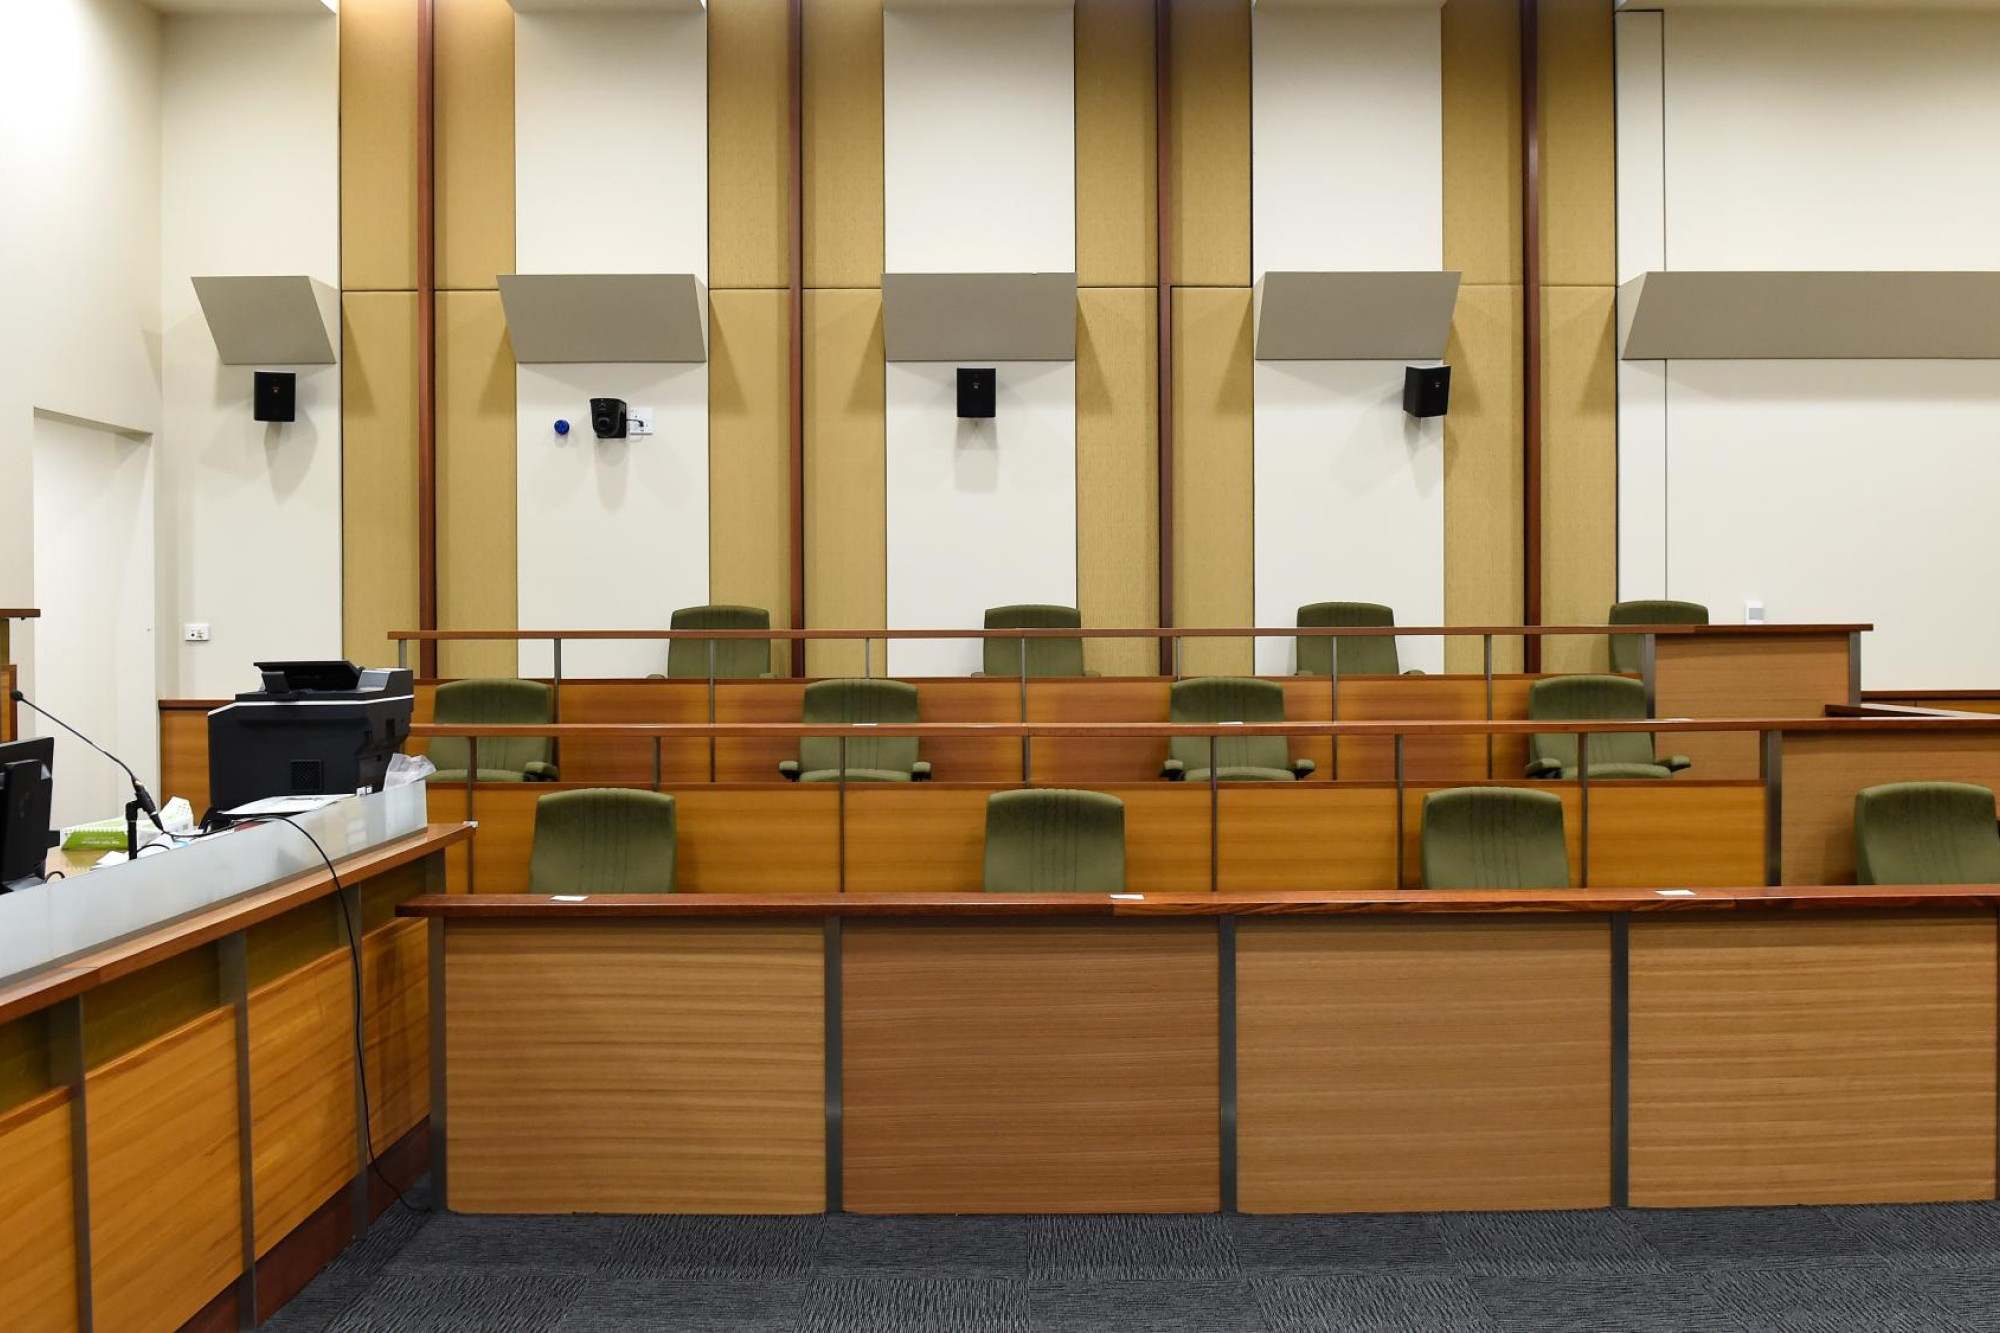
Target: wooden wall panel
(1719, 675)
(1672, 835)
(1117, 216)
(750, 454)
(184, 756)
(1816, 1059)
(1821, 774)
(701, 1089)
(1580, 470)
(378, 146)
(843, 145)
(1213, 495)
(1482, 474)
(847, 569)
(302, 1112)
(1423, 1065)
(749, 143)
(38, 1244)
(378, 392)
(1117, 470)
(166, 1219)
(25, 1067)
(1030, 1068)
(283, 944)
(122, 1015)
(477, 506)
(1579, 145)
(475, 145)
(395, 964)
(1481, 68)
(1211, 144)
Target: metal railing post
(711, 709)
(1583, 787)
(1402, 799)
(1486, 654)
(1027, 741)
(1333, 704)
(1214, 819)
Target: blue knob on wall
(562, 427)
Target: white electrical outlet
(1753, 613)
(638, 421)
(194, 633)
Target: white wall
(1347, 173)
(981, 513)
(250, 525)
(1829, 490)
(94, 579)
(611, 176)
(979, 143)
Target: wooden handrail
(1286, 632)
(19, 613)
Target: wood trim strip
(427, 507)
(1163, 286)
(1531, 310)
(1106, 632)
(796, 251)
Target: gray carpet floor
(1844, 1270)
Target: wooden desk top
(72, 976)
(1407, 902)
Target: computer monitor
(27, 784)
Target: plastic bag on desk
(407, 768)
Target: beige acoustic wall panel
(1118, 473)
(847, 575)
(1579, 470)
(476, 502)
(475, 142)
(1213, 504)
(1210, 108)
(749, 145)
(843, 144)
(1481, 80)
(378, 145)
(1117, 210)
(1482, 474)
(1579, 162)
(749, 455)
(378, 523)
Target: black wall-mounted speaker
(975, 392)
(276, 396)
(1426, 390)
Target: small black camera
(607, 418)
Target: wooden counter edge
(72, 976)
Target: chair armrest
(1414, 671)
(1676, 763)
(1545, 768)
(1088, 672)
(920, 771)
(765, 675)
(789, 768)
(977, 674)
(1173, 770)
(540, 772)
(1304, 768)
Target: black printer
(315, 729)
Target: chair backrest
(495, 701)
(1494, 838)
(734, 658)
(1052, 841)
(1229, 699)
(860, 701)
(1367, 656)
(603, 841)
(1590, 699)
(1046, 657)
(1625, 648)
(1925, 833)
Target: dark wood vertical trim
(1163, 195)
(427, 547)
(796, 51)
(1531, 307)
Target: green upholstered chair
(1360, 656)
(1625, 647)
(735, 659)
(1494, 838)
(1237, 758)
(1627, 754)
(1925, 833)
(491, 703)
(1053, 841)
(603, 841)
(869, 758)
(1046, 657)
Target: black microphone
(139, 792)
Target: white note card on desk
(569, 897)
(1675, 893)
